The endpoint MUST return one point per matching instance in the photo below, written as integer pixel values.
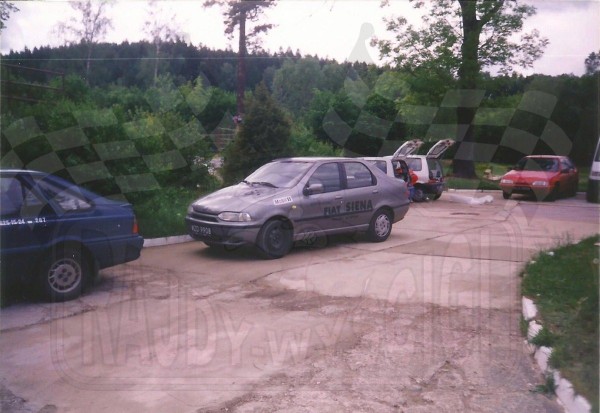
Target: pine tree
(264, 135)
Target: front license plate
(199, 230)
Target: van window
(415, 164)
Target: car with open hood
(55, 235)
(295, 199)
(546, 177)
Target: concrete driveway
(427, 321)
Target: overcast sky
(338, 29)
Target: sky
(338, 29)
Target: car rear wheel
(380, 226)
(62, 274)
(275, 238)
(506, 195)
(419, 195)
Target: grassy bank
(161, 213)
(564, 285)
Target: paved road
(425, 322)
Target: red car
(545, 176)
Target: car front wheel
(380, 226)
(62, 274)
(275, 238)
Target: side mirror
(313, 189)
(565, 171)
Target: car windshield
(279, 174)
(537, 164)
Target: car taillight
(135, 228)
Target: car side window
(357, 175)
(567, 165)
(18, 200)
(381, 165)
(415, 164)
(65, 198)
(11, 197)
(327, 175)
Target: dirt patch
(417, 358)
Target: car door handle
(339, 197)
(375, 191)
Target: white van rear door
(439, 148)
(408, 148)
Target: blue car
(55, 236)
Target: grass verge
(161, 213)
(564, 285)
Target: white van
(594, 178)
(427, 167)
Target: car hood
(237, 198)
(529, 175)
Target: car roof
(546, 156)
(24, 171)
(315, 159)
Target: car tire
(506, 195)
(63, 273)
(419, 195)
(380, 226)
(275, 238)
(436, 197)
(553, 195)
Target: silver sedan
(295, 199)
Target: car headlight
(507, 181)
(540, 183)
(235, 216)
(190, 209)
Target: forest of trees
(125, 116)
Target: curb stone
(571, 402)
(159, 242)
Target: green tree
(238, 14)
(462, 37)
(295, 82)
(264, 135)
(6, 8)
(89, 27)
(161, 28)
(592, 63)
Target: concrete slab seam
(571, 402)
